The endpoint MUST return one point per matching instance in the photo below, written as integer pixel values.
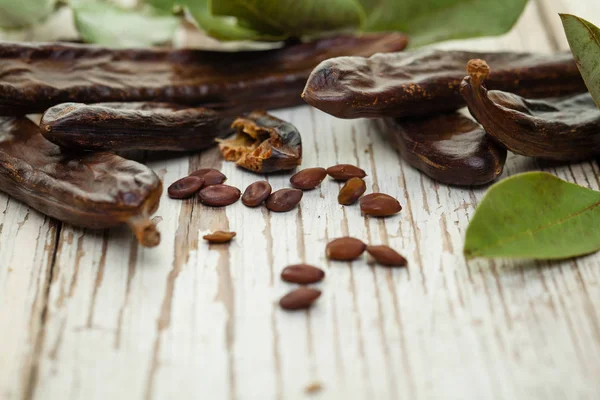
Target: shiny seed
(302, 274)
(185, 187)
(211, 176)
(385, 255)
(284, 200)
(300, 298)
(256, 193)
(345, 249)
(343, 172)
(351, 191)
(219, 195)
(379, 205)
(219, 237)
(308, 178)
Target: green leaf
(293, 17)
(430, 21)
(108, 25)
(21, 14)
(535, 215)
(167, 6)
(584, 40)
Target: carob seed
(345, 249)
(284, 200)
(379, 205)
(385, 255)
(308, 178)
(300, 298)
(219, 237)
(351, 191)
(210, 175)
(219, 195)
(256, 193)
(185, 187)
(343, 172)
(302, 274)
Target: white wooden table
(91, 315)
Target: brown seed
(219, 195)
(300, 298)
(345, 249)
(351, 191)
(219, 237)
(211, 176)
(185, 187)
(256, 193)
(308, 178)
(385, 255)
(379, 205)
(284, 200)
(343, 172)
(302, 274)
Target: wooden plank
(188, 319)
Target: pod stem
(144, 230)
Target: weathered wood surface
(90, 315)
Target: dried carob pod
(91, 190)
(425, 82)
(562, 129)
(38, 76)
(263, 143)
(133, 126)
(450, 148)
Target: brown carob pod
(91, 190)
(425, 82)
(38, 76)
(263, 143)
(563, 129)
(132, 126)
(450, 148)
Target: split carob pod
(90, 190)
(561, 129)
(424, 82)
(133, 126)
(263, 143)
(450, 148)
(38, 76)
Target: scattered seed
(343, 172)
(308, 178)
(385, 255)
(284, 200)
(345, 249)
(219, 237)
(314, 387)
(211, 176)
(302, 274)
(351, 191)
(379, 205)
(300, 298)
(219, 195)
(256, 193)
(185, 187)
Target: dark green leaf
(23, 13)
(535, 215)
(584, 39)
(109, 25)
(430, 21)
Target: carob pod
(91, 190)
(561, 129)
(133, 126)
(38, 76)
(263, 143)
(425, 82)
(450, 148)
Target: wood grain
(91, 315)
